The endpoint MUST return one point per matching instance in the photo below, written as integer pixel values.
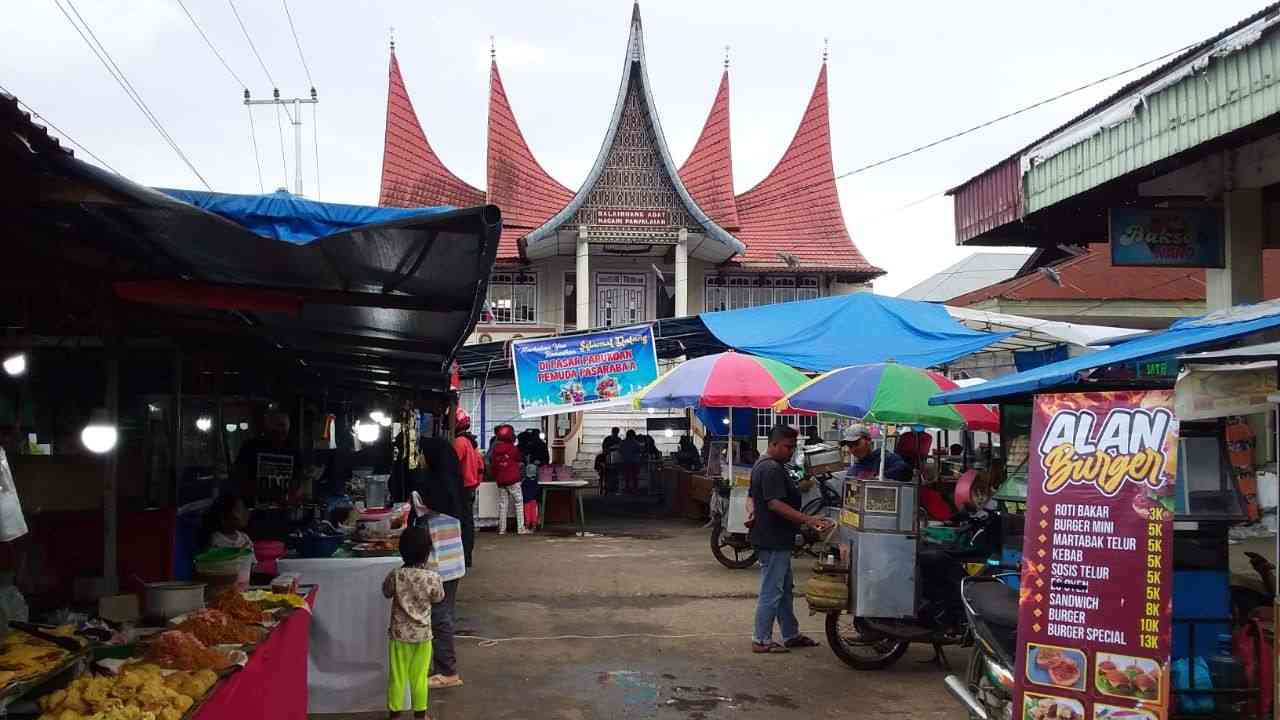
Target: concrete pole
(583, 280)
(1241, 280)
(682, 274)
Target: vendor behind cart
(267, 469)
(866, 456)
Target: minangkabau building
(641, 238)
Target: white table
(347, 666)
(574, 487)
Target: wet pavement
(638, 620)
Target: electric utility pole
(295, 117)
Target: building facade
(641, 238)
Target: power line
(59, 130)
(962, 133)
(283, 161)
(315, 137)
(296, 42)
(253, 138)
(1015, 113)
(100, 51)
(209, 42)
(254, 48)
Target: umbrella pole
(884, 449)
(732, 477)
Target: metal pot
(167, 600)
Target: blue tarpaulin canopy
(294, 219)
(1183, 335)
(833, 332)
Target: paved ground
(655, 579)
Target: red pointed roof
(796, 208)
(527, 195)
(708, 172)
(412, 173)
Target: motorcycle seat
(993, 602)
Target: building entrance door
(620, 299)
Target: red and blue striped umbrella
(723, 380)
(888, 393)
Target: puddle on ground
(697, 702)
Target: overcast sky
(901, 74)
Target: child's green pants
(409, 664)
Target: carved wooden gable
(634, 199)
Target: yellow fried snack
(140, 692)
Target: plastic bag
(13, 524)
(1192, 704)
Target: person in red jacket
(506, 464)
(471, 464)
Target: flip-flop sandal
(801, 641)
(768, 649)
(440, 682)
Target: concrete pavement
(638, 620)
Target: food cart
(1208, 497)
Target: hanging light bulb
(385, 421)
(232, 427)
(204, 423)
(15, 365)
(377, 416)
(669, 432)
(100, 435)
(725, 421)
(367, 432)
(244, 426)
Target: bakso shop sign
(1172, 237)
(1095, 608)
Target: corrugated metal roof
(1236, 89)
(989, 200)
(976, 206)
(972, 273)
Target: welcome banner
(579, 372)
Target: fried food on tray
(232, 603)
(271, 600)
(140, 692)
(178, 650)
(214, 627)
(24, 656)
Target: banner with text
(569, 374)
(1095, 604)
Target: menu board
(1095, 605)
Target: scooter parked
(991, 607)
(733, 549)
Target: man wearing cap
(775, 519)
(866, 457)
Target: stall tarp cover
(824, 334)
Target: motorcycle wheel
(857, 651)
(994, 699)
(730, 555)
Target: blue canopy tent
(832, 332)
(1189, 334)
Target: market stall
(168, 350)
(1203, 651)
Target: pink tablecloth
(274, 683)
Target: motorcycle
(991, 607)
(868, 643)
(734, 550)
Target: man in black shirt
(775, 501)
